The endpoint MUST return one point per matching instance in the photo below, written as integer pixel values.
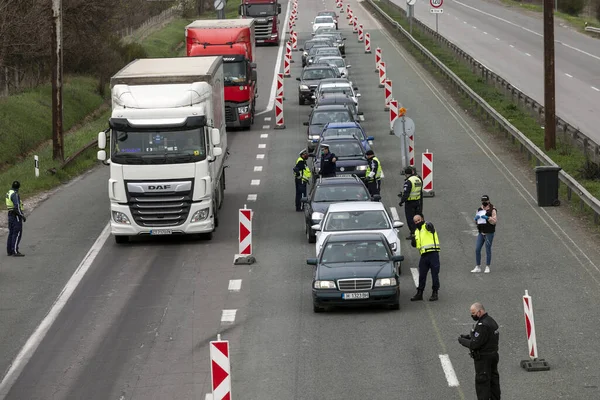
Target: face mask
(475, 317)
(485, 204)
(419, 224)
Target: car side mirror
(376, 197)
(316, 227)
(304, 200)
(348, 66)
(397, 258)
(305, 123)
(370, 138)
(311, 261)
(355, 88)
(398, 224)
(278, 8)
(299, 80)
(358, 95)
(301, 49)
(343, 38)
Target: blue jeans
(488, 238)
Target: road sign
(220, 4)
(436, 10)
(411, 2)
(436, 3)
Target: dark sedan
(350, 154)
(322, 115)
(311, 76)
(355, 269)
(337, 36)
(326, 191)
(316, 42)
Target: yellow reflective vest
(415, 189)
(379, 170)
(9, 203)
(305, 174)
(426, 241)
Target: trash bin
(546, 180)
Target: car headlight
(243, 110)
(120, 218)
(314, 137)
(385, 282)
(304, 87)
(317, 216)
(324, 285)
(361, 168)
(200, 215)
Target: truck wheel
(121, 239)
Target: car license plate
(355, 296)
(260, 41)
(344, 174)
(161, 232)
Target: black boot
(434, 296)
(418, 296)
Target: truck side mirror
(102, 140)
(253, 65)
(254, 75)
(278, 8)
(240, 10)
(217, 151)
(215, 136)
(101, 155)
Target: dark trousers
(487, 379)
(15, 229)
(412, 208)
(429, 261)
(374, 187)
(300, 192)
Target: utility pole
(57, 80)
(549, 78)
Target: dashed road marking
(569, 75)
(528, 55)
(228, 316)
(257, 168)
(415, 275)
(235, 285)
(595, 88)
(464, 22)
(474, 27)
(395, 216)
(266, 126)
(511, 46)
(262, 146)
(267, 119)
(497, 38)
(449, 370)
(260, 156)
(264, 135)
(251, 197)
(485, 33)
(208, 396)
(255, 182)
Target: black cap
(16, 185)
(408, 171)
(370, 152)
(485, 197)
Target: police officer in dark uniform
(302, 175)
(483, 345)
(328, 162)
(373, 174)
(16, 218)
(412, 198)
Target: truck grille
(264, 31)
(167, 206)
(355, 284)
(230, 114)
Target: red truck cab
(233, 39)
(266, 14)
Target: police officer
(15, 220)
(302, 175)
(373, 174)
(483, 345)
(426, 240)
(328, 162)
(411, 197)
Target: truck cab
(265, 13)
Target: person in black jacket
(411, 198)
(483, 345)
(16, 217)
(328, 162)
(486, 219)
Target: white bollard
(381, 74)
(244, 237)
(427, 170)
(36, 164)
(534, 363)
(220, 369)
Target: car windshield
(356, 221)
(313, 50)
(346, 148)
(234, 73)
(321, 73)
(338, 193)
(317, 43)
(324, 20)
(325, 116)
(325, 29)
(327, 13)
(333, 132)
(355, 251)
(338, 62)
(344, 90)
(260, 10)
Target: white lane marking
(266, 126)
(497, 38)
(278, 63)
(473, 231)
(262, 146)
(251, 197)
(258, 168)
(208, 396)
(260, 156)
(267, 119)
(595, 88)
(485, 33)
(415, 275)
(395, 215)
(569, 75)
(255, 182)
(526, 29)
(474, 27)
(449, 370)
(528, 55)
(235, 285)
(511, 46)
(464, 22)
(228, 316)
(40, 332)
(264, 135)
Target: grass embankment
(577, 22)
(570, 159)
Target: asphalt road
(138, 325)
(510, 43)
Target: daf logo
(159, 187)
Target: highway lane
(511, 44)
(139, 324)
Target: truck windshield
(158, 147)
(234, 73)
(260, 10)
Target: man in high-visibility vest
(411, 197)
(14, 205)
(427, 242)
(373, 173)
(302, 175)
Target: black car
(317, 42)
(331, 190)
(322, 115)
(355, 269)
(322, 51)
(350, 154)
(341, 99)
(337, 36)
(310, 80)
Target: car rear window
(338, 193)
(356, 221)
(323, 20)
(311, 74)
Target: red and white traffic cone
(387, 93)
(367, 43)
(393, 114)
(534, 363)
(382, 74)
(378, 58)
(427, 169)
(279, 123)
(361, 34)
(279, 92)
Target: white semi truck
(167, 147)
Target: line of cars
(358, 252)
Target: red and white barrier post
(279, 123)
(220, 369)
(340, 5)
(534, 363)
(348, 13)
(382, 74)
(388, 93)
(279, 92)
(286, 65)
(354, 25)
(377, 59)
(350, 16)
(411, 150)
(393, 114)
(288, 50)
(367, 43)
(427, 169)
(294, 41)
(361, 33)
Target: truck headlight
(361, 168)
(385, 282)
(314, 137)
(200, 215)
(120, 218)
(243, 110)
(304, 88)
(324, 285)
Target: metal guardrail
(592, 29)
(572, 185)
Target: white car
(356, 217)
(338, 87)
(322, 21)
(335, 61)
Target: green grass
(570, 159)
(575, 21)
(167, 42)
